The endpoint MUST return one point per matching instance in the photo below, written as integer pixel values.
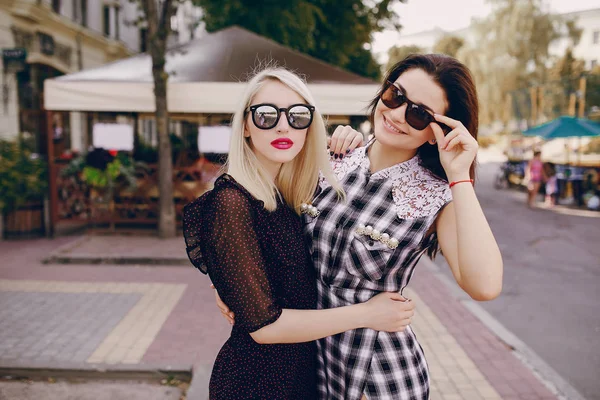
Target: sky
(421, 15)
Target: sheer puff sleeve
(222, 241)
(192, 213)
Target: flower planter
(26, 221)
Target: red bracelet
(457, 182)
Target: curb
(63, 255)
(544, 372)
(198, 389)
(83, 258)
(149, 372)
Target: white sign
(214, 139)
(113, 136)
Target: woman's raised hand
(458, 148)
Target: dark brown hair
(457, 83)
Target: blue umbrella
(565, 127)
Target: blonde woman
(247, 235)
(409, 192)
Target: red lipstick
(282, 143)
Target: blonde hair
(298, 179)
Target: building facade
(588, 48)
(47, 38)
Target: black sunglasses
(266, 116)
(416, 115)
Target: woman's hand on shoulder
(389, 312)
(344, 140)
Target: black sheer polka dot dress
(259, 263)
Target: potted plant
(23, 185)
(105, 172)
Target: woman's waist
(340, 294)
(241, 340)
(374, 342)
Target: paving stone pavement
(95, 390)
(123, 324)
(58, 326)
(165, 315)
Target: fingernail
(331, 153)
(341, 156)
(335, 156)
(347, 151)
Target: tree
(335, 31)
(399, 53)
(511, 53)
(449, 45)
(592, 98)
(563, 80)
(157, 16)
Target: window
(80, 12)
(596, 38)
(56, 6)
(106, 20)
(143, 40)
(117, 33)
(83, 14)
(174, 23)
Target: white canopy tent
(207, 76)
(189, 97)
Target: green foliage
(449, 45)
(592, 97)
(99, 179)
(335, 31)
(23, 175)
(399, 53)
(512, 52)
(121, 169)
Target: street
(150, 313)
(550, 298)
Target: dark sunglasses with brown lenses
(416, 115)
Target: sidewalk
(153, 317)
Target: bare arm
(465, 236)
(232, 253)
(385, 311)
(469, 246)
(291, 327)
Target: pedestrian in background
(551, 187)
(534, 176)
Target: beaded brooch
(309, 209)
(374, 234)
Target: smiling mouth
(282, 144)
(391, 127)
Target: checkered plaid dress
(352, 266)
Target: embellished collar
(394, 170)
